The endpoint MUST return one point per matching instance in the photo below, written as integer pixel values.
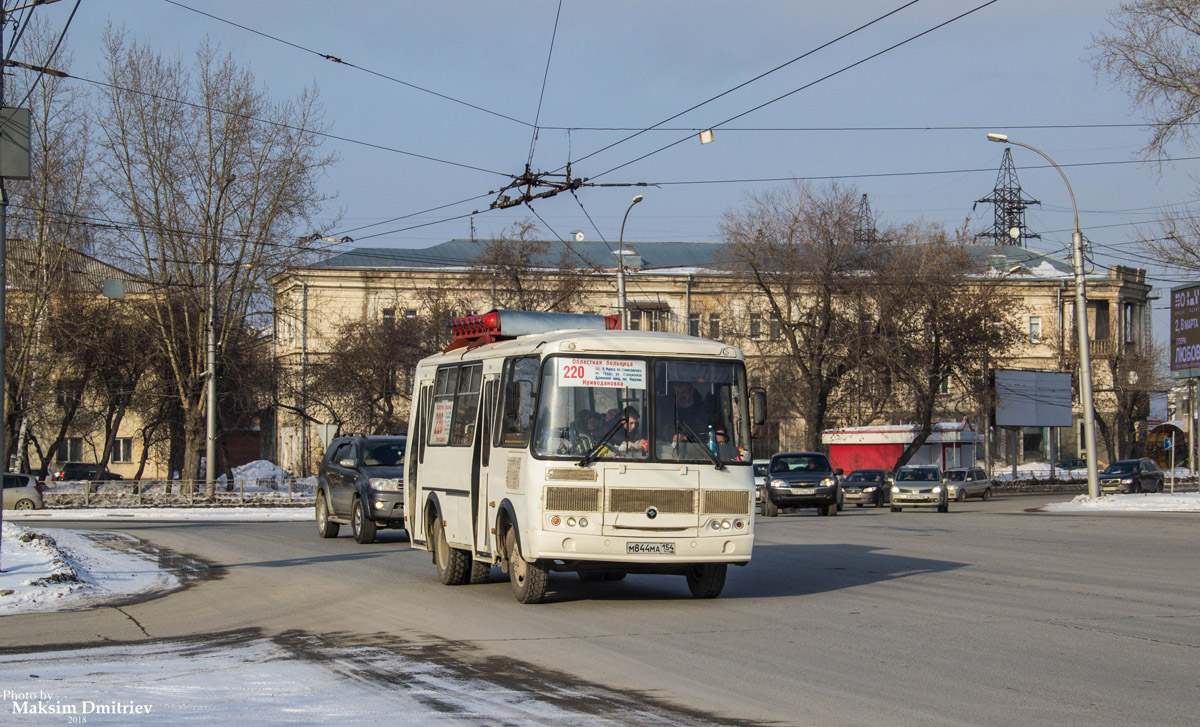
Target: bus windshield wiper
(595, 450)
(687, 429)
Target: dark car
(802, 479)
(73, 471)
(867, 487)
(361, 484)
(1131, 475)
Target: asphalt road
(987, 615)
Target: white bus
(550, 442)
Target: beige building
(672, 286)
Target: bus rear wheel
(528, 579)
(706, 580)
(452, 564)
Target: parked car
(22, 492)
(920, 486)
(964, 482)
(1071, 464)
(760, 478)
(802, 479)
(1131, 475)
(867, 487)
(72, 471)
(361, 484)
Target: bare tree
(800, 250)
(45, 223)
(520, 273)
(1154, 51)
(936, 317)
(211, 176)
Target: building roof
(661, 256)
(78, 271)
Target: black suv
(361, 484)
(1131, 475)
(802, 479)
(72, 471)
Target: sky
(435, 105)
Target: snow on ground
(69, 569)
(283, 680)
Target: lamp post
(621, 265)
(1081, 331)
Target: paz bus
(543, 442)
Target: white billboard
(1032, 399)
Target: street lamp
(1081, 331)
(210, 445)
(621, 266)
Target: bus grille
(642, 499)
(573, 499)
(726, 502)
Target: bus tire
(453, 565)
(326, 528)
(528, 579)
(362, 524)
(706, 580)
(480, 572)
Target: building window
(714, 326)
(1035, 329)
(389, 317)
(69, 394)
(944, 385)
(756, 326)
(776, 328)
(122, 452)
(694, 324)
(410, 312)
(71, 450)
(635, 320)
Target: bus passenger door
(480, 464)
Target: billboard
(1185, 330)
(1032, 399)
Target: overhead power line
(826, 77)
(336, 59)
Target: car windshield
(760, 470)
(918, 474)
(956, 475)
(800, 463)
(384, 454)
(1121, 468)
(864, 477)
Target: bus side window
(518, 395)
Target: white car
(760, 478)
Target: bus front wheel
(452, 564)
(706, 580)
(528, 579)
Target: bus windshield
(634, 408)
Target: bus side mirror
(758, 406)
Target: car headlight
(895, 490)
(868, 489)
(1127, 481)
(937, 490)
(778, 483)
(828, 482)
(386, 483)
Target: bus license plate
(650, 548)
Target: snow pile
(75, 569)
(260, 469)
(1149, 502)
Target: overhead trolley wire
(807, 85)
(545, 75)
(338, 60)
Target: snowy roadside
(74, 569)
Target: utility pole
(210, 447)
